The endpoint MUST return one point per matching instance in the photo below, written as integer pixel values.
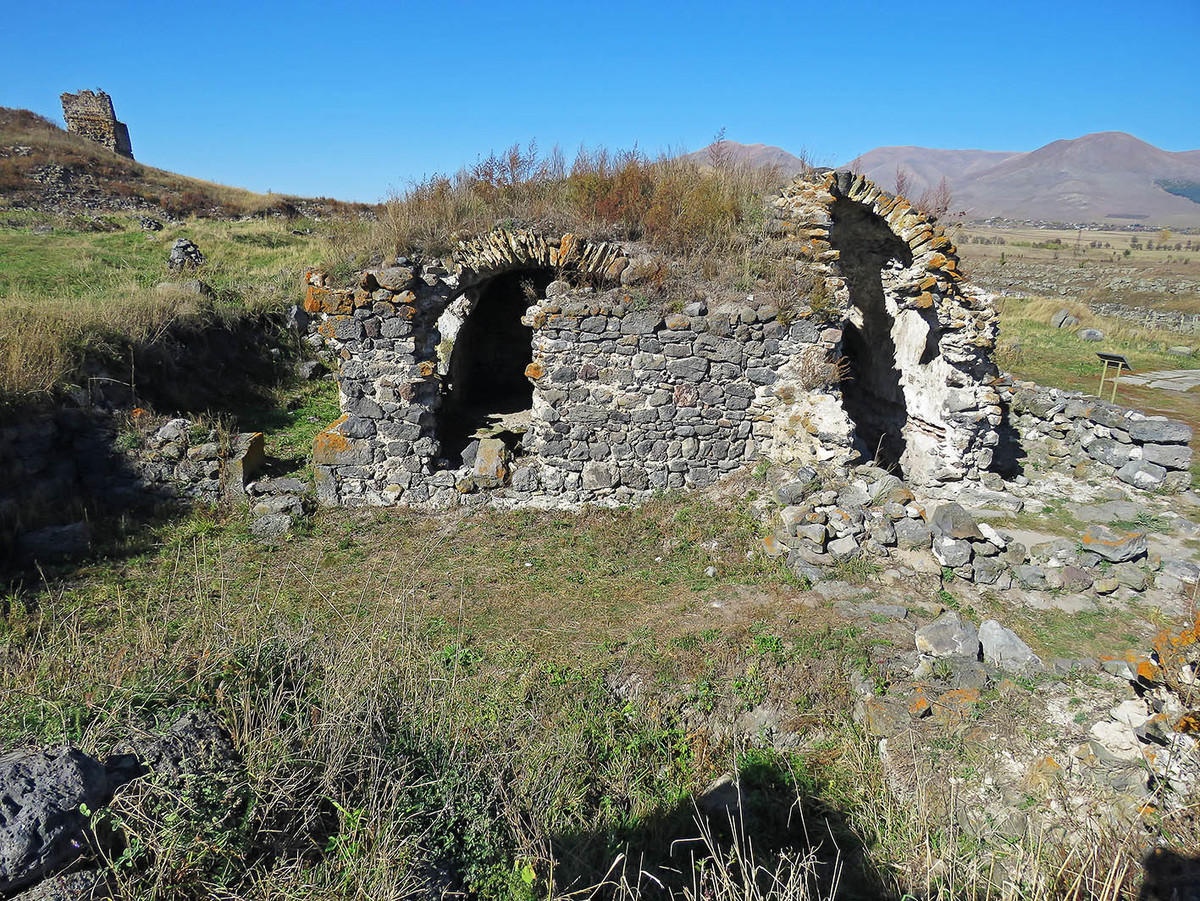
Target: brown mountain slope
(1108, 177)
(926, 166)
(751, 154)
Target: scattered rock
(80, 885)
(1030, 576)
(271, 526)
(1091, 334)
(54, 543)
(883, 717)
(193, 287)
(952, 521)
(842, 549)
(912, 534)
(310, 370)
(1064, 319)
(722, 800)
(184, 255)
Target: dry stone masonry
(91, 115)
(595, 393)
(1076, 433)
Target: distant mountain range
(754, 154)
(1108, 177)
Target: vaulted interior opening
(871, 391)
(486, 390)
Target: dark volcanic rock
(42, 828)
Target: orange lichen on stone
(535, 370)
(566, 248)
(323, 300)
(1043, 772)
(1189, 723)
(1147, 670)
(426, 368)
(1168, 642)
(919, 704)
(937, 261)
(924, 301)
(1120, 537)
(330, 441)
(955, 705)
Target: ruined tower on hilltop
(91, 115)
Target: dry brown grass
(674, 204)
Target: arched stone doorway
(872, 393)
(485, 351)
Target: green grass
(445, 678)
(69, 293)
(1031, 348)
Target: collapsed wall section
(91, 116)
(916, 342)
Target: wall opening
(871, 391)
(486, 391)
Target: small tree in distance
(935, 202)
(902, 182)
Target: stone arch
(484, 352)
(872, 391)
(486, 256)
(917, 340)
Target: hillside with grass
(44, 168)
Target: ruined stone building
(91, 115)
(528, 370)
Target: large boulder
(949, 636)
(1141, 474)
(42, 825)
(1113, 545)
(952, 521)
(1160, 431)
(1002, 647)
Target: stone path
(1170, 379)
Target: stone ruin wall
(91, 116)
(1074, 433)
(628, 401)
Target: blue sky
(351, 99)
